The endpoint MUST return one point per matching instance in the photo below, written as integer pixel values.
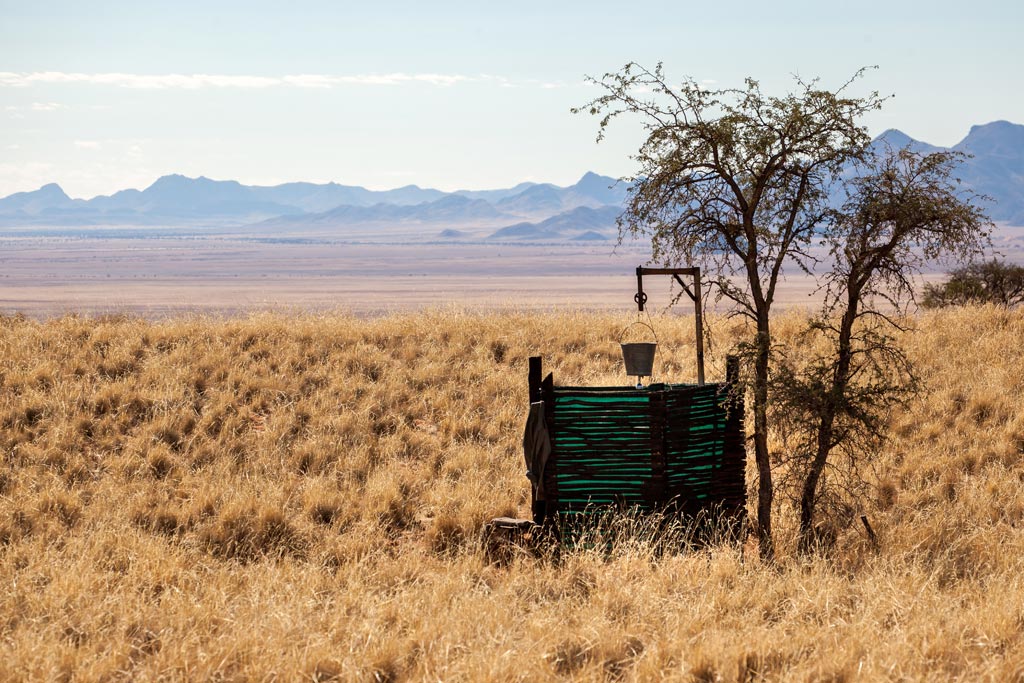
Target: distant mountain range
(583, 218)
(995, 168)
(585, 210)
(177, 200)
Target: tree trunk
(826, 424)
(809, 494)
(765, 490)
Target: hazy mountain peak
(600, 189)
(46, 197)
(179, 180)
(895, 137)
(594, 181)
(590, 177)
(895, 140)
(171, 178)
(53, 190)
(535, 200)
(998, 137)
(996, 126)
(176, 184)
(454, 200)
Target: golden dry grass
(301, 498)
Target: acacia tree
(904, 210)
(736, 182)
(994, 281)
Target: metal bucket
(639, 358)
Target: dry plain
(157, 272)
(171, 273)
(235, 458)
(300, 497)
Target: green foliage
(995, 282)
(733, 180)
(740, 183)
(903, 209)
(736, 182)
(831, 411)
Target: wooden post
(537, 507)
(698, 315)
(640, 297)
(550, 505)
(534, 378)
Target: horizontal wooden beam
(667, 271)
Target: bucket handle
(638, 322)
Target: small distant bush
(995, 282)
(248, 533)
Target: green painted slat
(602, 445)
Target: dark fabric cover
(536, 448)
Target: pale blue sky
(106, 95)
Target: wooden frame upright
(694, 294)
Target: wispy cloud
(12, 79)
(87, 144)
(16, 111)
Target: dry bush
(303, 498)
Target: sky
(102, 96)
